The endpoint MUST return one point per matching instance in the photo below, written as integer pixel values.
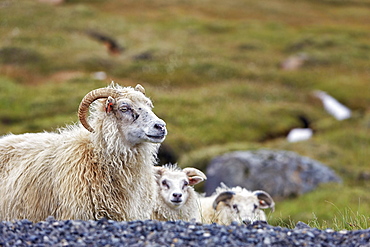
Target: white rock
(100, 75)
(299, 134)
(333, 107)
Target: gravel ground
(154, 233)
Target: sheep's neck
(122, 180)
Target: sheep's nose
(160, 126)
(247, 222)
(177, 195)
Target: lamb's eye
(186, 183)
(165, 184)
(235, 207)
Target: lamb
(100, 169)
(177, 199)
(235, 204)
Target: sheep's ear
(223, 197)
(109, 104)
(195, 180)
(140, 88)
(191, 171)
(265, 200)
(158, 170)
(194, 175)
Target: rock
(171, 233)
(282, 174)
(301, 225)
(333, 106)
(294, 62)
(364, 176)
(299, 134)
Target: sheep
(177, 199)
(101, 168)
(235, 204)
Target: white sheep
(101, 169)
(177, 199)
(235, 204)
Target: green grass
(214, 77)
(333, 212)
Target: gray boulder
(282, 174)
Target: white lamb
(86, 172)
(177, 199)
(235, 204)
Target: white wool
(76, 174)
(190, 211)
(224, 213)
(164, 210)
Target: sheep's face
(240, 208)
(242, 205)
(173, 188)
(244, 208)
(136, 120)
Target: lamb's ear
(265, 200)
(195, 176)
(195, 180)
(109, 104)
(158, 171)
(223, 197)
(140, 88)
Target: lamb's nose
(177, 195)
(247, 222)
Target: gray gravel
(172, 233)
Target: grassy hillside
(213, 70)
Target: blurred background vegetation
(214, 71)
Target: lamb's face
(137, 121)
(243, 208)
(173, 188)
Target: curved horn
(140, 88)
(224, 196)
(91, 97)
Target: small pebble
(172, 233)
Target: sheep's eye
(186, 183)
(255, 207)
(164, 183)
(124, 108)
(235, 207)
